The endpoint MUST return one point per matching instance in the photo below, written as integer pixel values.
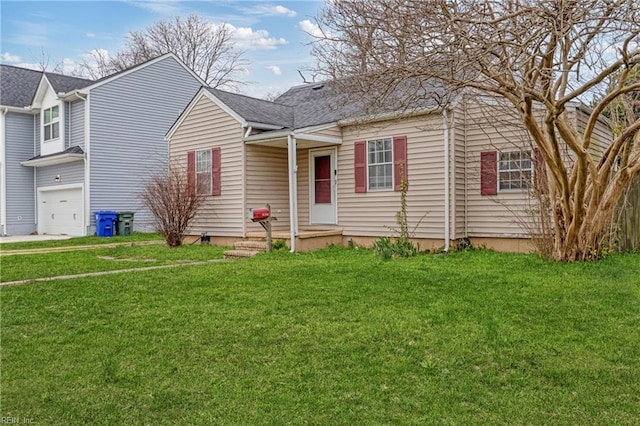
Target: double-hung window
(515, 170)
(203, 172)
(51, 123)
(380, 164)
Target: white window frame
(51, 124)
(204, 172)
(377, 164)
(515, 165)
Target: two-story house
(71, 146)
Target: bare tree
(206, 48)
(539, 55)
(173, 200)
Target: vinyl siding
(374, 213)
(267, 180)
(334, 131)
(208, 126)
(302, 159)
(129, 117)
(76, 134)
(602, 134)
(458, 133)
(489, 128)
(36, 132)
(20, 208)
(69, 173)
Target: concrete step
(238, 254)
(250, 245)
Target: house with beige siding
(332, 176)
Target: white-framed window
(51, 123)
(515, 170)
(380, 164)
(203, 172)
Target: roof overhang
(53, 160)
(279, 138)
(21, 110)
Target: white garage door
(60, 212)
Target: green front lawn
(332, 337)
(39, 265)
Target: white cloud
(270, 10)
(161, 7)
(247, 38)
(91, 35)
(310, 28)
(275, 69)
(8, 57)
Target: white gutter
(248, 132)
(447, 225)
(293, 192)
(3, 174)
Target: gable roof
(315, 104)
(18, 85)
(256, 110)
(318, 103)
(64, 83)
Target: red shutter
(360, 166)
(539, 172)
(489, 173)
(191, 170)
(216, 187)
(399, 161)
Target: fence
(629, 228)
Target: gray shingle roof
(322, 103)
(64, 83)
(19, 85)
(318, 103)
(256, 110)
(72, 150)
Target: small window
(380, 164)
(203, 172)
(515, 170)
(51, 122)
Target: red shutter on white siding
(489, 173)
(216, 187)
(539, 172)
(399, 161)
(191, 170)
(360, 166)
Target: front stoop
(244, 249)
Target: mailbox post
(262, 215)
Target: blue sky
(272, 34)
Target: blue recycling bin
(105, 223)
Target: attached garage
(61, 211)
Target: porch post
(293, 191)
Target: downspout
(3, 174)
(87, 164)
(36, 211)
(293, 195)
(447, 236)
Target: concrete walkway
(28, 238)
(4, 252)
(118, 271)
